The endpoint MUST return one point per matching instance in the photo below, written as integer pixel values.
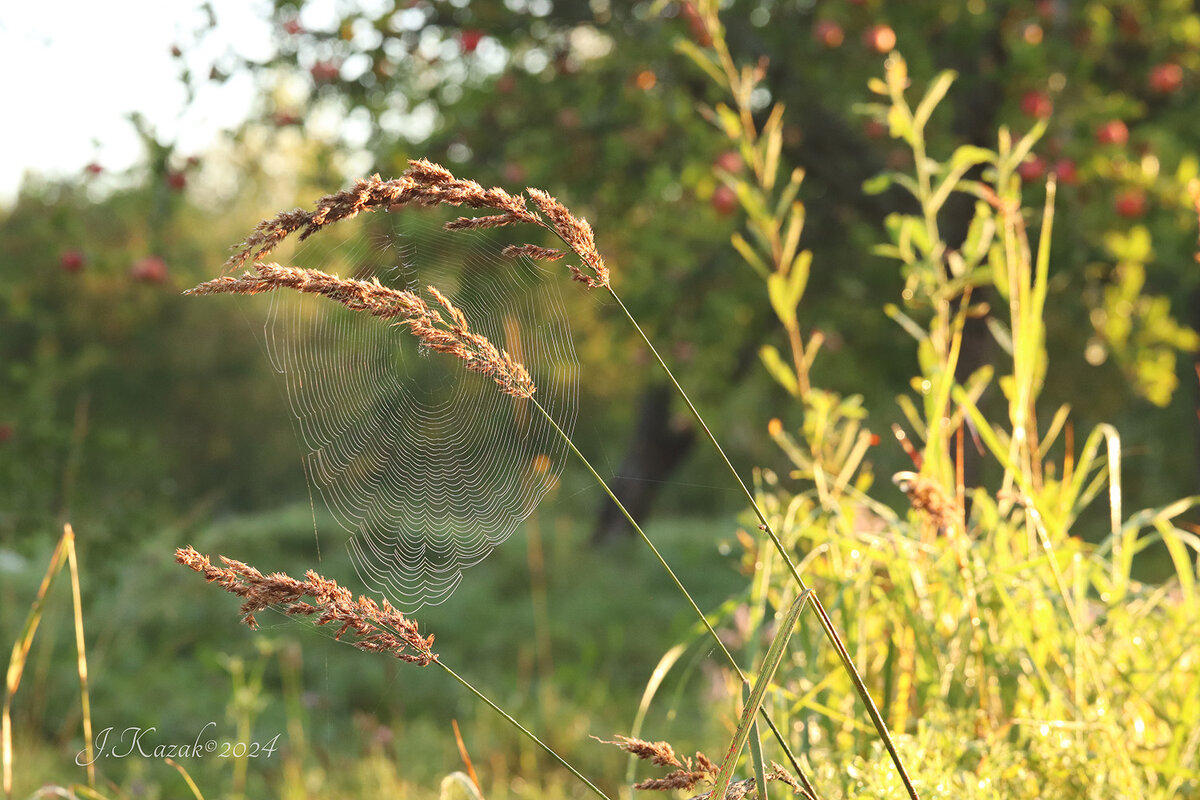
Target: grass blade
(756, 756)
(770, 664)
(20, 652)
(81, 655)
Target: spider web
(426, 465)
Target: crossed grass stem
(765, 525)
(429, 184)
(822, 615)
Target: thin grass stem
(81, 663)
(528, 733)
(678, 584)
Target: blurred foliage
(123, 405)
(592, 100)
(348, 719)
(1000, 645)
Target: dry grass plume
(368, 625)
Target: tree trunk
(656, 450)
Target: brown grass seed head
(427, 324)
(370, 626)
(429, 184)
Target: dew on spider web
(425, 465)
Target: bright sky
(74, 69)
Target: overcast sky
(73, 70)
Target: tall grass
(1015, 657)
(973, 646)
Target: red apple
(829, 33)
(695, 23)
(1036, 104)
(1166, 78)
(514, 173)
(1128, 24)
(569, 119)
(1032, 169)
(724, 200)
(645, 80)
(874, 129)
(880, 38)
(730, 161)
(150, 269)
(469, 39)
(72, 260)
(1112, 132)
(1130, 203)
(1066, 171)
(325, 71)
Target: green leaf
(779, 369)
(906, 322)
(878, 184)
(791, 236)
(1135, 246)
(731, 123)
(703, 59)
(799, 272)
(779, 290)
(1025, 145)
(789, 192)
(979, 234)
(756, 756)
(900, 124)
(761, 682)
(968, 155)
(937, 90)
(1189, 168)
(749, 255)
(1001, 334)
(954, 178)
(772, 144)
(786, 289)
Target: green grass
(161, 645)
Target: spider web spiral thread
(426, 465)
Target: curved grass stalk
(525, 731)
(679, 585)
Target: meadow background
(149, 420)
